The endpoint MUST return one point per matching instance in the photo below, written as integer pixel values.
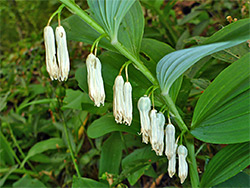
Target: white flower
(144, 106)
(183, 166)
(95, 81)
(128, 103)
(62, 54)
(50, 53)
(170, 141)
(160, 135)
(172, 164)
(153, 131)
(118, 99)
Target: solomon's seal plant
(158, 81)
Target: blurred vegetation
(30, 104)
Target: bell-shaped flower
(153, 131)
(62, 54)
(183, 166)
(50, 53)
(95, 81)
(172, 164)
(128, 108)
(160, 137)
(144, 106)
(118, 99)
(170, 141)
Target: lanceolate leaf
(131, 29)
(109, 14)
(111, 155)
(226, 163)
(222, 112)
(175, 64)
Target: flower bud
(118, 99)
(172, 164)
(170, 141)
(62, 54)
(95, 81)
(50, 53)
(183, 166)
(144, 106)
(128, 103)
(153, 131)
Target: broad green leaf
(6, 152)
(222, 112)
(143, 157)
(107, 124)
(131, 29)
(40, 147)
(27, 181)
(111, 155)
(87, 183)
(226, 163)
(78, 100)
(175, 64)
(109, 14)
(241, 180)
(78, 30)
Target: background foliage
(33, 146)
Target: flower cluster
(57, 71)
(152, 129)
(122, 101)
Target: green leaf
(3, 179)
(6, 152)
(27, 181)
(111, 155)
(78, 30)
(142, 158)
(41, 101)
(109, 14)
(40, 147)
(78, 100)
(226, 163)
(131, 29)
(87, 183)
(222, 112)
(107, 124)
(175, 64)
(241, 180)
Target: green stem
(97, 41)
(82, 14)
(19, 149)
(19, 171)
(58, 11)
(175, 112)
(193, 172)
(69, 144)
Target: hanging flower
(144, 106)
(62, 54)
(128, 108)
(153, 131)
(50, 53)
(172, 163)
(183, 166)
(160, 137)
(118, 99)
(95, 81)
(170, 141)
